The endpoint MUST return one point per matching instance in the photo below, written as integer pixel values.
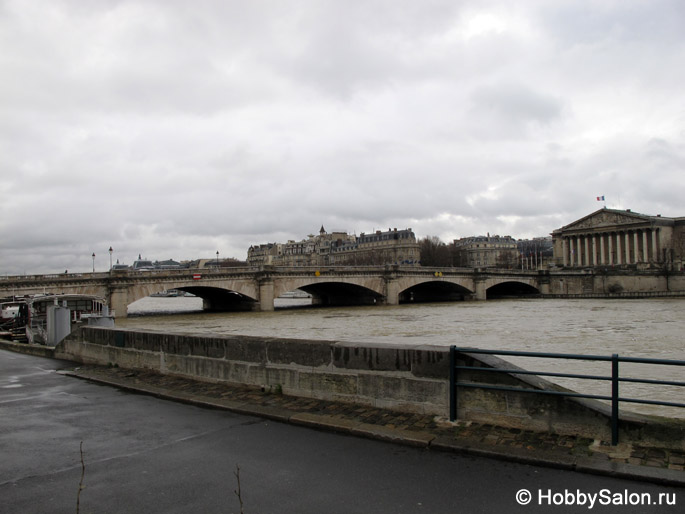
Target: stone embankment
(414, 380)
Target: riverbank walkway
(563, 452)
(626, 460)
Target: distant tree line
(435, 253)
(231, 262)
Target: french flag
(600, 198)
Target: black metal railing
(614, 378)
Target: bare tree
(434, 252)
(507, 259)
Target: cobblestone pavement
(562, 451)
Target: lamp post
(217, 259)
(110, 258)
(93, 262)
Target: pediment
(607, 218)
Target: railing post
(453, 381)
(614, 399)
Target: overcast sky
(176, 129)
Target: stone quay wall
(409, 379)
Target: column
(602, 256)
(655, 253)
(572, 249)
(564, 250)
(594, 249)
(645, 247)
(636, 252)
(587, 250)
(610, 237)
(627, 242)
(618, 248)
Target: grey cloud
(510, 108)
(176, 130)
(632, 20)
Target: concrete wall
(615, 281)
(400, 378)
(411, 379)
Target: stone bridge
(256, 288)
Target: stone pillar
(266, 294)
(645, 247)
(392, 294)
(627, 242)
(610, 238)
(544, 282)
(602, 256)
(587, 250)
(579, 253)
(572, 250)
(618, 248)
(480, 288)
(118, 301)
(564, 251)
(636, 246)
(594, 249)
(655, 253)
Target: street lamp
(110, 258)
(217, 259)
(93, 262)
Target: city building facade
(340, 249)
(610, 237)
(536, 253)
(486, 251)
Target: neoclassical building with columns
(610, 237)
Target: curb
(406, 437)
(29, 349)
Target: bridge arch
(220, 299)
(511, 289)
(335, 291)
(216, 295)
(434, 291)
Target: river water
(653, 328)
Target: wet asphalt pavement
(146, 455)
